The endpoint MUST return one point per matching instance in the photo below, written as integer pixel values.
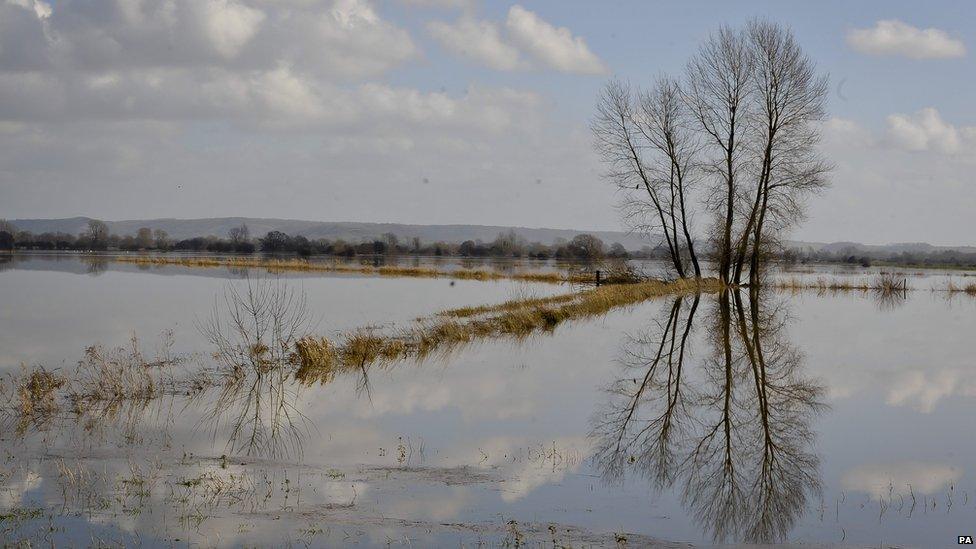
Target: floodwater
(795, 418)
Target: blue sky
(379, 111)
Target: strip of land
(320, 359)
(284, 265)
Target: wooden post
(598, 277)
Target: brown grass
(884, 283)
(112, 375)
(281, 265)
(953, 288)
(37, 393)
(321, 360)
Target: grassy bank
(302, 265)
(320, 359)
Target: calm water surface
(839, 420)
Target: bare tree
(665, 124)
(717, 85)
(239, 235)
(254, 327)
(144, 237)
(161, 238)
(744, 117)
(97, 233)
(623, 146)
(789, 98)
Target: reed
(884, 283)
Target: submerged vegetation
(262, 341)
(882, 284)
(103, 381)
(320, 359)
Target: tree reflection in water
(253, 330)
(731, 430)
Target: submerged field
(801, 416)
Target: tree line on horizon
(239, 240)
(508, 244)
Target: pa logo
(965, 540)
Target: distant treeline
(506, 244)
(864, 258)
(239, 240)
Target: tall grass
(884, 283)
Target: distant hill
(895, 248)
(350, 231)
(358, 232)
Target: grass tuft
(37, 393)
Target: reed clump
(953, 288)
(112, 375)
(319, 359)
(822, 284)
(282, 265)
(37, 393)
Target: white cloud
(40, 8)
(477, 40)
(926, 195)
(458, 4)
(925, 130)
(877, 479)
(552, 46)
(231, 25)
(923, 391)
(109, 103)
(893, 37)
(340, 39)
(526, 32)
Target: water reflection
(95, 265)
(731, 429)
(253, 329)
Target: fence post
(598, 277)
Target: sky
(448, 111)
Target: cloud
(230, 25)
(925, 130)
(923, 391)
(107, 102)
(893, 37)
(526, 32)
(477, 40)
(552, 46)
(340, 39)
(925, 195)
(445, 4)
(877, 479)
